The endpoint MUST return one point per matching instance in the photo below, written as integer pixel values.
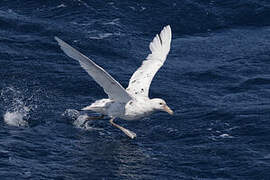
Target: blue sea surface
(216, 79)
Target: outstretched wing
(111, 87)
(140, 81)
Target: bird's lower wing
(140, 81)
(111, 87)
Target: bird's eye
(160, 103)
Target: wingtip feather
(57, 39)
(160, 46)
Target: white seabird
(132, 102)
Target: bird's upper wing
(114, 90)
(140, 81)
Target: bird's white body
(132, 102)
(131, 110)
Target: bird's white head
(160, 104)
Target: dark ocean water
(216, 79)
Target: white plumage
(132, 103)
(140, 81)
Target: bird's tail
(99, 106)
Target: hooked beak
(168, 110)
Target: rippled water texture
(216, 79)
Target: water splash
(80, 121)
(71, 114)
(17, 106)
(15, 119)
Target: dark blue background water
(216, 79)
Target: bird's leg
(130, 134)
(95, 118)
